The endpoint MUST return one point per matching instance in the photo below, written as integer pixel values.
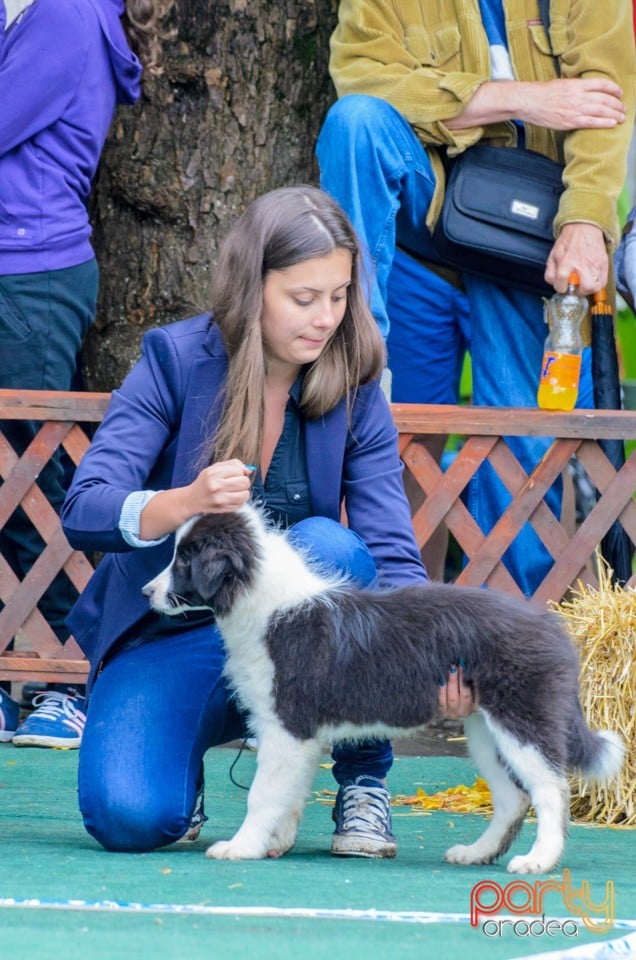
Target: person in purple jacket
(64, 66)
(275, 397)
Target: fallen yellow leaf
(459, 799)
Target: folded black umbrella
(616, 546)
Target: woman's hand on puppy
(456, 699)
(220, 488)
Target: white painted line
(311, 913)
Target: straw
(602, 624)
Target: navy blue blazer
(154, 435)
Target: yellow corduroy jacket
(428, 57)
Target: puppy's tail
(598, 756)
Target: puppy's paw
(460, 853)
(284, 837)
(529, 864)
(229, 850)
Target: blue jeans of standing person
(44, 318)
(373, 164)
(158, 705)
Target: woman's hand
(456, 699)
(220, 488)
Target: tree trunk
(237, 112)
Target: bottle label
(561, 370)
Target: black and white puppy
(315, 660)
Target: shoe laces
(53, 705)
(366, 808)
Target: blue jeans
(158, 705)
(372, 162)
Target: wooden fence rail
(38, 655)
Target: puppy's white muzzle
(158, 592)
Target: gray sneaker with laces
(362, 815)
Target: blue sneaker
(362, 815)
(57, 721)
(9, 716)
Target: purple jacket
(64, 65)
(151, 438)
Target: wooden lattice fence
(38, 655)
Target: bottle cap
(573, 279)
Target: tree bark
(236, 113)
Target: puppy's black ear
(209, 571)
(219, 575)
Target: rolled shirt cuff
(130, 518)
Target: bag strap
(544, 10)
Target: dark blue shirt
(285, 492)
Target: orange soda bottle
(561, 365)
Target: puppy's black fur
(399, 645)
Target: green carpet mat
(60, 893)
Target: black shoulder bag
(498, 211)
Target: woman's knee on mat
(137, 823)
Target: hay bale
(602, 624)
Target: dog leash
(234, 762)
